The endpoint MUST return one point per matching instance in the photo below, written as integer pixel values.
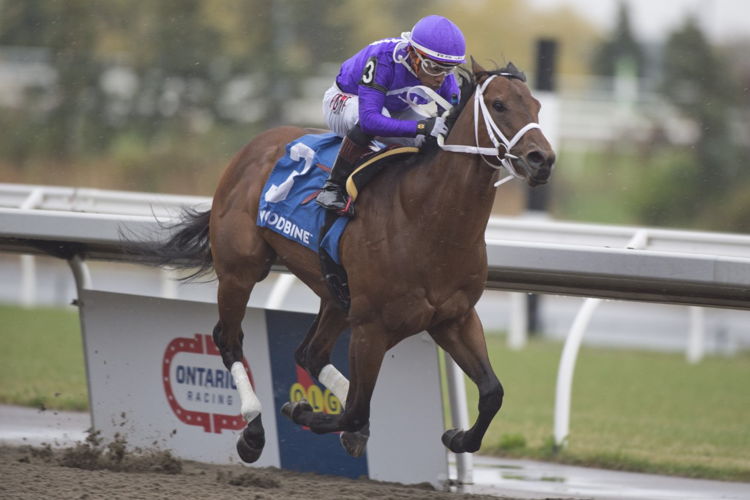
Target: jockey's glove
(434, 126)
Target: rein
(493, 131)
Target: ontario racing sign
(157, 378)
(199, 389)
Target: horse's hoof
(453, 440)
(355, 443)
(247, 453)
(251, 442)
(293, 410)
(286, 409)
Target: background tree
(698, 81)
(621, 49)
(66, 29)
(704, 179)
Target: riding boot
(333, 194)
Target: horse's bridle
(493, 131)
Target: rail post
(564, 385)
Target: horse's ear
(479, 72)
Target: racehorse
(415, 257)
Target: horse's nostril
(535, 159)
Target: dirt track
(89, 471)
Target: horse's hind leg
(464, 341)
(241, 259)
(314, 355)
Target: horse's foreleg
(366, 352)
(464, 341)
(355, 442)
(314, 355)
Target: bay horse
(415, 257)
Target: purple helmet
(440, 39)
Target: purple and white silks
(381, 83)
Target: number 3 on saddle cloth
(287, 202)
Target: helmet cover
(440, 39)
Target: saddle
(365, 170)
(371, 164)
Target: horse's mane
(467, 83)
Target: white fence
(525, 255)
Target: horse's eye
(498, 105)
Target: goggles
(433, 68)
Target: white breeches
(341, 112)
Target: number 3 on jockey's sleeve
(368, 75)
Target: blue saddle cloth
(287, 202)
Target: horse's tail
(188, 246)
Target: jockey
(368, 98)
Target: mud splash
(93, 454)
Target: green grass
(632, 410)
(41, 361)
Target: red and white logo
(199, 389)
